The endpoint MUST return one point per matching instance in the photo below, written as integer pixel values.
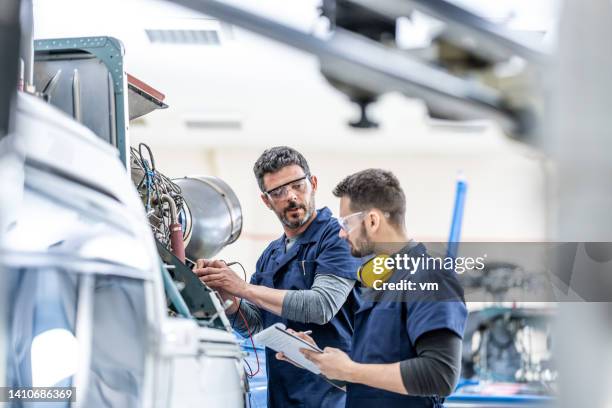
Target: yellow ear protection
(373, 270)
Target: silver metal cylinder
(213, 215)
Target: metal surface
(77, 216)
(141, 103)
(199, 299)
(489, 39)
(27, 49)
(76, 96)
(369, 66)
(63, 161)
(216, 216)
(142, 98)
(10, 38)
(84, 334)
(112, 111)
(213, 377)
(85, 54)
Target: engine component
(211, 215)
(510, 345)
(162, 200)
(194, 217)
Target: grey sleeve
(251, 314)
(436, 369)
(320, 303)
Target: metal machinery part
(191, 218)
(364, 68)
(501, 344)
(84, 235)
(9, 60)
(10, 40)
(205, 207)
(212, 214)
(143, 98)
(72, 72)
(80, 259)
(75, 251)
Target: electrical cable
(151, 188)
(245, 278)
(246, 324)
(252, 374)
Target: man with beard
(406, 350)
(304, 279)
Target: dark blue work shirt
(387, 328)
(319, 249)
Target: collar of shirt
(323, 216)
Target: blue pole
(455, 231)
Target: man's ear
(372, 221)
(266, 200)
(314, 182)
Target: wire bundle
(152, 186)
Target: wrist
(246, 292)
(354, 372)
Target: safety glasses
(358, 216)
(346, 221)
(299, 186)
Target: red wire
(253, 374)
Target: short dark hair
(274, 159)
(375, 188)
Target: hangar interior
(507, 98)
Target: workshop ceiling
(226, 86)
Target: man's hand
(217, 275)
(334, 363)
(203, 263)
(303, 336)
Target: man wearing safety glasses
(304, 279)
(406, 350)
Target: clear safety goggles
(345, 221)
(298, 186)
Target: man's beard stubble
(308, 211)
(362, 246)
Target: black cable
(150, 154)
(240, 301)
(250, 369)
(252, 374)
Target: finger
(211, 278)
(218, 263)
(212, 269)
(202, 263)
(310, 355)
(201, 272)
(208, 271)
(306, 338)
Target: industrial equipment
(457, 77)
(85, 277)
